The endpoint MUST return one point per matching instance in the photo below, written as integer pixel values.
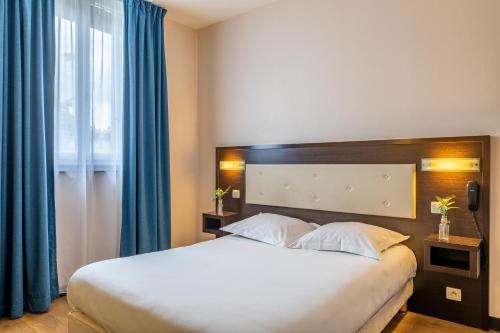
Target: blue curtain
(146, 183)
(28, 273)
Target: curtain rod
(157, 3)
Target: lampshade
(451, 164)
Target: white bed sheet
(236, 285)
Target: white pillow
(354, 237)
(270, 228)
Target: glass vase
(220, 207)
(444, 229)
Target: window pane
(102, 94)
(65, 88)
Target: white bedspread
(232, 285)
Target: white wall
(329, 70)
(182, 60)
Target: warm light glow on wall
(232, 165)
(451, 164)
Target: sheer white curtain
(88, 91)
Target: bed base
(391, 308)
(80, 323)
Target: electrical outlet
(434, 208)
(236, 194)
(454, 294)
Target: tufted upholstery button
(387, 203)
(387, 177)
(316, 198)
(315, 176)
(261, 193)
(349, 188)
(286, 186)
(261, 173)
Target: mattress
(233, 284)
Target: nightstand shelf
(213, 222)
(459, 256)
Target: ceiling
(198, 14)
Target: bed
(233, 284)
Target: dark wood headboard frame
(429, 296)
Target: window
(88, 83)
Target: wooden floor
(414, 323)
(56, 321)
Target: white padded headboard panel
(371, 189)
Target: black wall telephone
(473, 196)
(473, 206)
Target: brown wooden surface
(429, 286)
(224, 214)
(411, 322)
(456, 241)
(56, 321)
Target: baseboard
(495, 323)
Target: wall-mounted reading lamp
(451, 164)
(232, 165)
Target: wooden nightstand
(459, 256)
(213, 222)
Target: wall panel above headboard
(429, 286)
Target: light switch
(434, 208)
(454, 294)
(236, 194)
